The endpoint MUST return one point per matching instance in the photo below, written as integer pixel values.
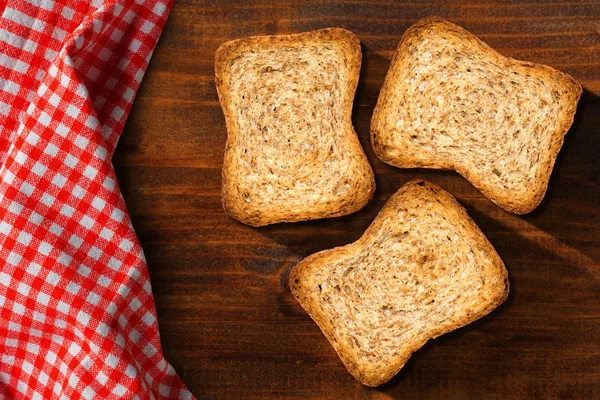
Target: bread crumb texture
(449, 101)
(292, 153)
(422, 269)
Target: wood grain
(228, 323)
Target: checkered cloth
(77, 317)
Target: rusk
(292, 153)
(422, 269)
(449, 101)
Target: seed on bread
(422, 269)
(449, 101)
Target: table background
(228, 322)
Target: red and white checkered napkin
(77, 317)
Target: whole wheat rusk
(292, 153)
(450, 101)
(422, 269)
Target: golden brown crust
(296, 183)
(465, 264)
(508, 150)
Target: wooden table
(228, 322)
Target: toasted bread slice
(422, 269)
(449, 101)
(292, 153)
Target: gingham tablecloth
(77, 317)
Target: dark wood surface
(228, 322)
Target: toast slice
(422, 269)
(292, 153)
(449, 101)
